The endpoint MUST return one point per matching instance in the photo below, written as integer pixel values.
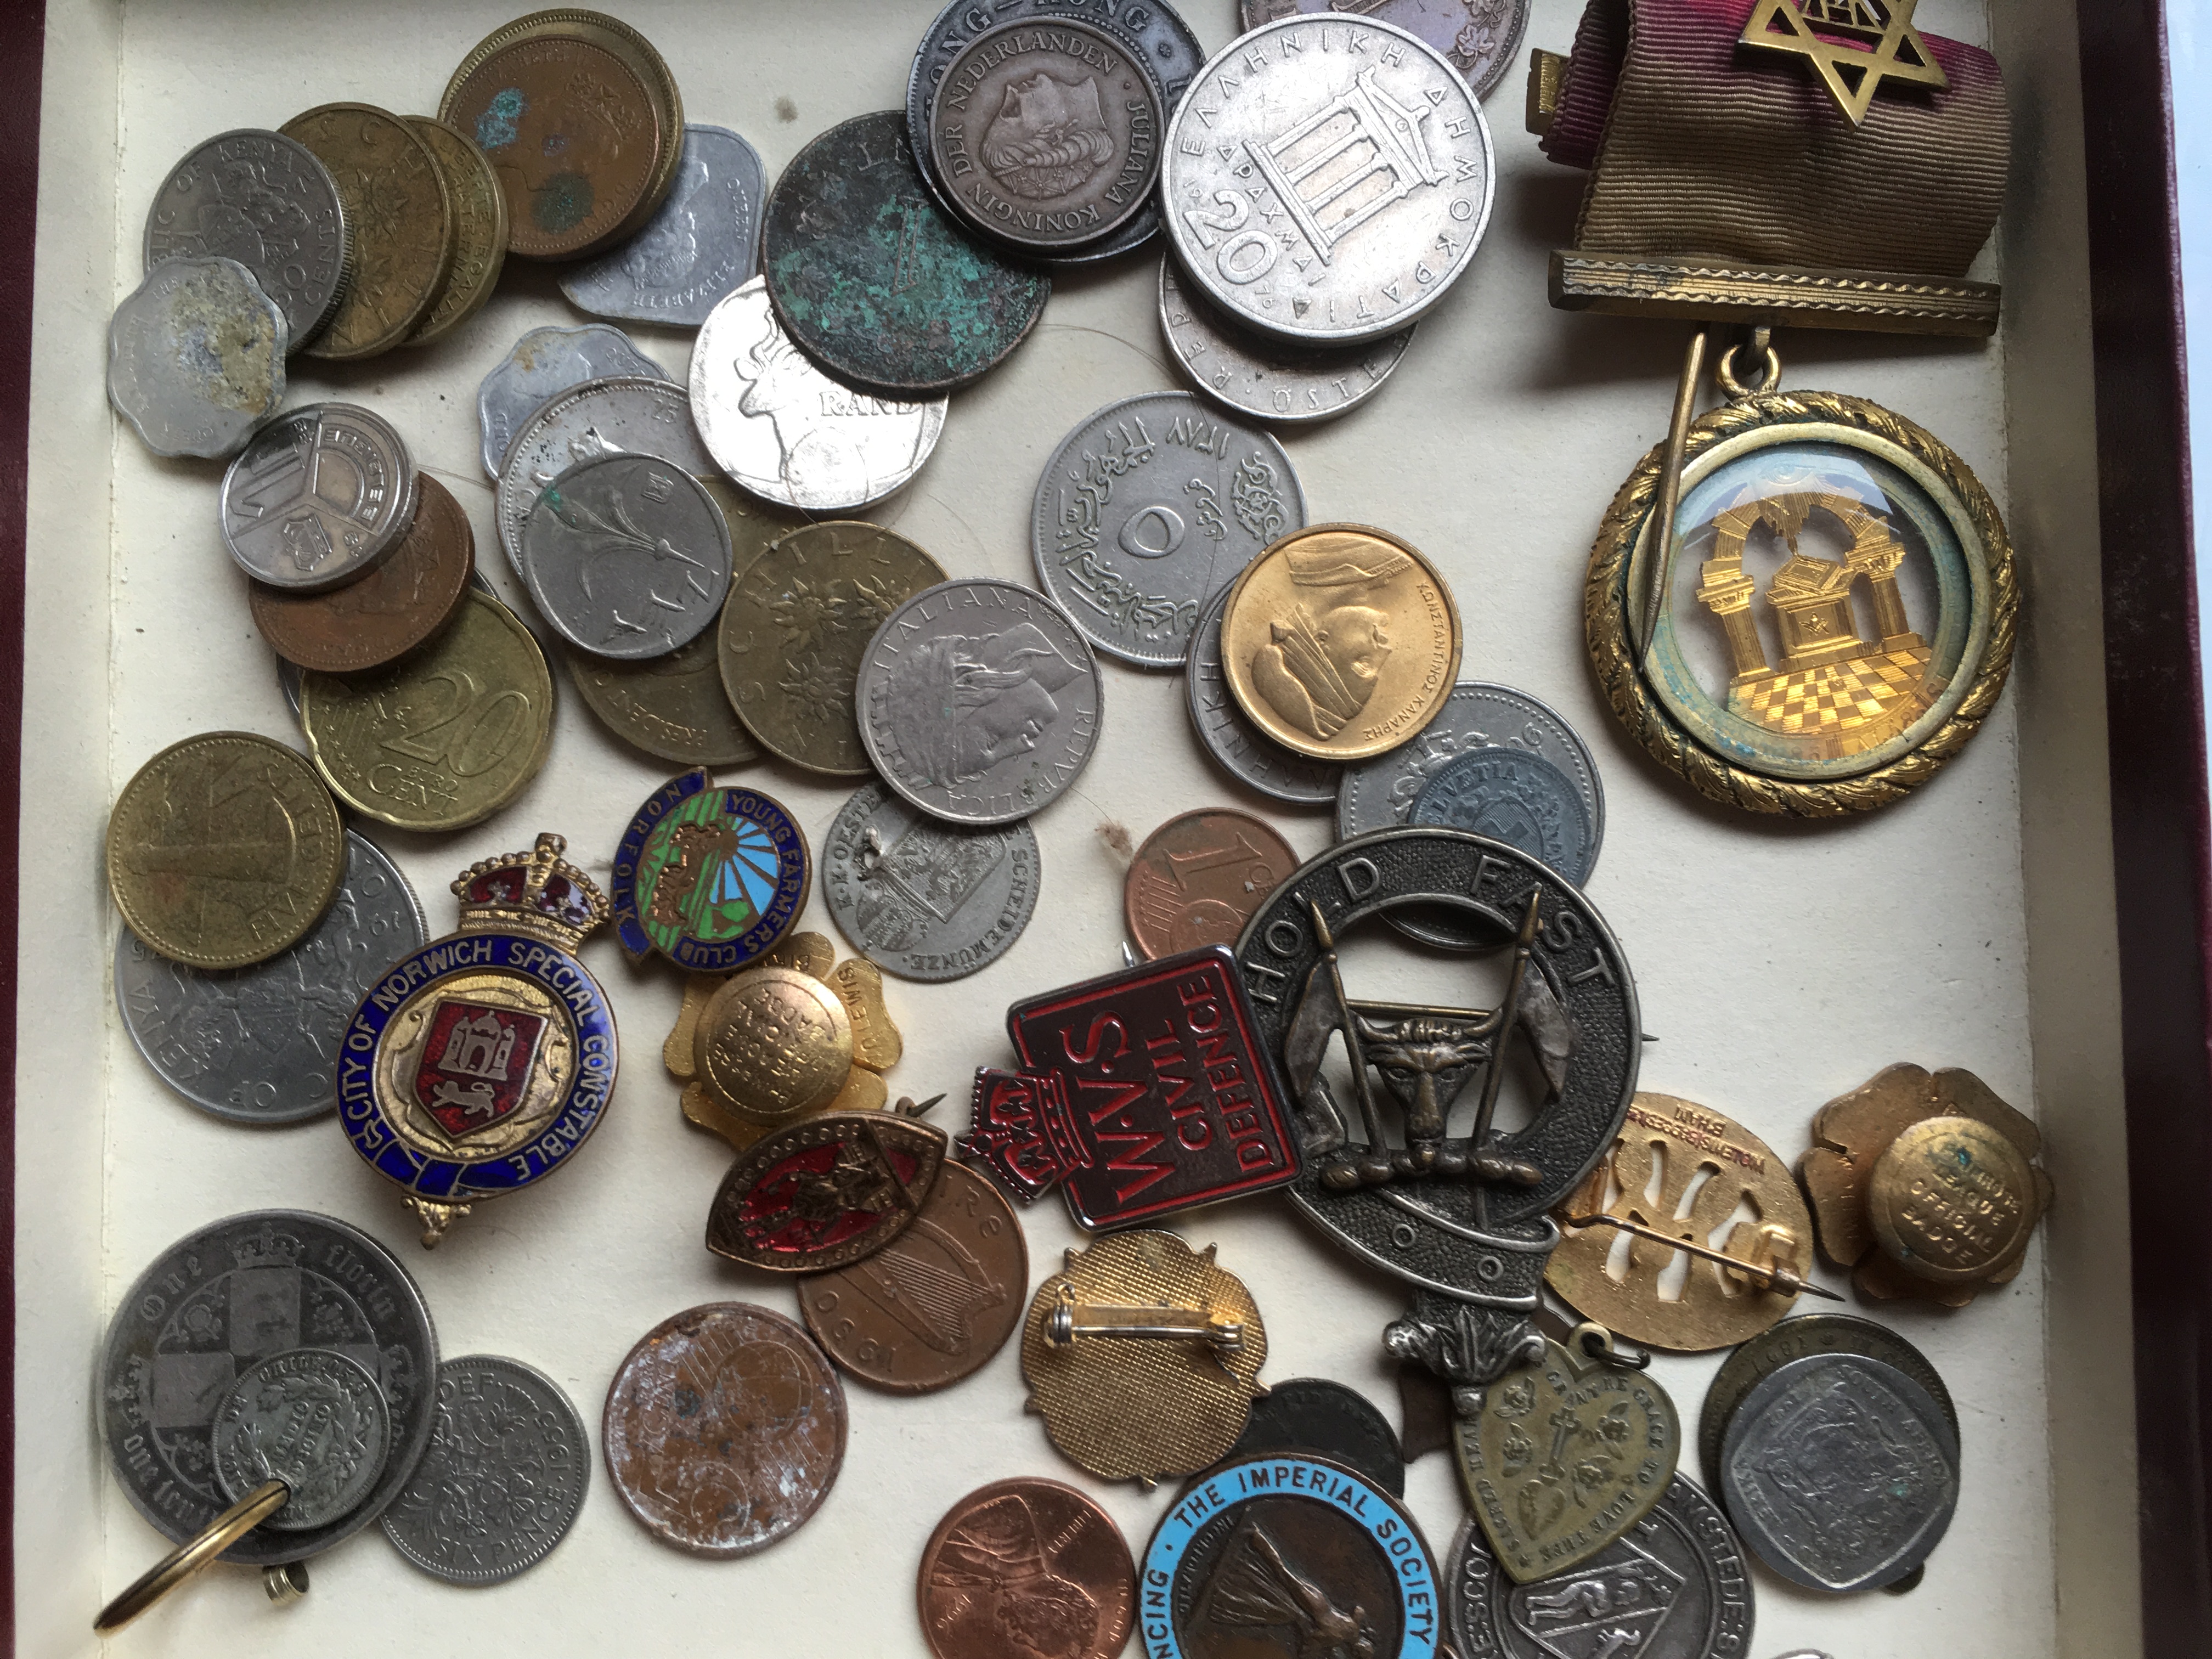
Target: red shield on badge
(475, 1063)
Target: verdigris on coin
(318, 498)
(1228, 734)
(195, 357)
(1480, 38)
(628, 557)
(312, 1418)
(398, 215)
(615, 415)
(1262, 377)
(701, 244)
(541, 364)
(924, 899)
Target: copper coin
(824, 1193)
(387, 613)
(936, 1303)
(1021, 1568)
(1198, 878)
(725, 1429)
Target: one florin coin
(1197, 879)
(311, 1417)
(400, 216)
(1026, 1566)
(628, 557)
(319, 498)
(195, 357)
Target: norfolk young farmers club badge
(712, 879)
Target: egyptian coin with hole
(195, 357)
(616, 414)
(702, 242)
(1257, 376)
(1228, 734)
(543, 363)
(628, 557)
(319, 498)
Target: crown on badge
(538, 893)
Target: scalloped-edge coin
(700, 245)
(195, 357)
(542, 364)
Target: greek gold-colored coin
(774, 1044)
(479, 228)
(1952, 1200)
(797, 626)
(1340, 641)
(445, 736)
(399, 214)
(223, 850)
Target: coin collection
(696, 556)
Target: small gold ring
(1725, 372)
(188, 1559)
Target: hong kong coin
(479, 228)
(1327, 178)
(224, 850)
(1340, 641)
(1841, 1473)
(216, 1303)
(1481, 38)
(1238, 746)
(616, 414)
(1673, 1587)
(445, 736)
(503, 1478)
(1023, 1567)
(1289, 1542)
(825, 1192)
(724, 1430)
(1197, 879)
(543, 363)
(1150, 508)
(1045, 134)
(1511, 795)
(873, 279)
(404, 600)
(1313, 1414)
(936, 1303)
(195, 357)
(797, 628)
(786, 431)
(260, 1044)
(311, 1417)
(979, 701)
(702, 243)
(1260, 377)
(712, 879)
(628, 557)
(922, 899)
(398, 215)
(264, 200)
(319, 498)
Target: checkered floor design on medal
(1837, 696)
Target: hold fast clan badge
(712, 879)
(477, 1065)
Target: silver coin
(215, 1303)
(312, 1418)
(1673, 1587)
(1257, 376)
(1327, 178)
(1237, 746)
(1482, 38)
(628, 557)
(318, 498)
(503, 1479)
(1150, 508)
(195, 357)
(545, 363)
(925, 900)
(260, 1044)
(614, 415)
(979, 701)
(1840, 1471)
(1513, 796)
(700, 243)
(788, 432)
(267, 202)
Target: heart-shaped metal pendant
(1566, 1456)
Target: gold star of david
(1851, 73)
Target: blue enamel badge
(712, 879)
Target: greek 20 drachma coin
(979, 701)
(542, 363)
(479, 228)
(923, 899)
(1260, 377)
(195, 357)
(628, 557)
(260, 1044)
(503, 1480)
(616, 414)
(724, 1430)
(702, 242)
(319, 498)
(1480, 38)
(1146, 511)
(1327, 178)
(1228, 734)
(1197, 879)
(398, 215)
(216, 1303)
(312, 1418)
(786, 431)
(1026, 1566)
(1512, 795)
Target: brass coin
(1025, 1567)
(445, 736)
(400, 216)
(479, 228)
(223, 850)
(797, 629)
(774, 1043)
(1198, 878)
(404, 600)
(1340, 641)
(1952, 1200)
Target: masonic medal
(480, 1064)
(712, 879)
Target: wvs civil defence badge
(712, 879)
(479, 1064)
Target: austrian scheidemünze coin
(319, 498)
(544, 362)
(616, 414)
(399, 220)
(312, 1418)
(1197, 879)
(628, 557)
(195, 357)
(1481, 38)
(1026, 1566)
(924, 899)
(1263, 378)
(1512, 795)
(1146, 511)
(699, 246)
(1228, 734)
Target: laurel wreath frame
(1615, 659)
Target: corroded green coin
(871, 278)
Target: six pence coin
(312, 1418)
(712, 879)
(700, 245)
(1228, 734)
(628, 557)
(1261, 378)
(400, 217)
(195, 357)
(615, 415)
(1197, 879)
(923, 899)
(541, 364)
(479, 228)
(1026, 1566)
(320, 497)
